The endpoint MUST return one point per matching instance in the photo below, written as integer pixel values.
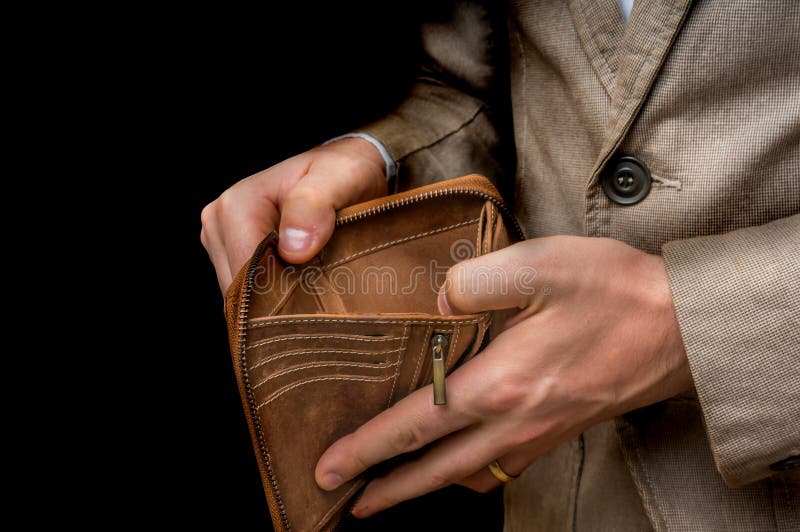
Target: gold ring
(499, 474)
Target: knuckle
(225, 202)
(406, 438)
(507, 395)
(208, 214)
(307, 195)
(527, 434)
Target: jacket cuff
(737, 299)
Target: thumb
(308, 211)
(497, 280)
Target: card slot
(357, 355)
(334, 330)
(356, 338)
(321, 378)
(327, 364)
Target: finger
(499, 280)
(407, 426)
(513, 463)
(216, 252)
(458, 456)
(308, 211)
(235, 223)
(483, 481)
(461, 458)
(243, 229)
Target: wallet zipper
(438, 350)
(438, 341)
(438, 190)
(274, 499)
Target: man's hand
(596, 336)
(299, 195)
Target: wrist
(677, 376)
(390, 166)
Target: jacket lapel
(600, 29)
(646, 41)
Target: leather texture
(321, 348)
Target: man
(655, 382)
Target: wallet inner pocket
(397, 269)
(273, 383)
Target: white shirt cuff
(391, 165)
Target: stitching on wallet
(256, 325)
(397, 363)
(321, 351)
(456, 334)
(489, 229)
(324, 336)
(326, 365)
(398, 241)
(318, 379)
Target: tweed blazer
(542, 96)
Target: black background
(222, 94)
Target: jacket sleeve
(453, 119)
(737, 298)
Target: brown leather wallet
(321, 348)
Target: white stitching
(456, 334)
(671, 183)
(398, 241)
(256, 325)
(325, 336)
(397, 367)
(322, 351)
(309, 381)
(489, 223)
(314, 365)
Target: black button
(626, 181)
(786, 464)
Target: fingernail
(295, 239)
(444, 306)
(331, 481)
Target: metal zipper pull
(438, 347)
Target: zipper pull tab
(438, 346)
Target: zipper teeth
(435, 194)
(243, 313)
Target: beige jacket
(707, 95)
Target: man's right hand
(299, 196)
